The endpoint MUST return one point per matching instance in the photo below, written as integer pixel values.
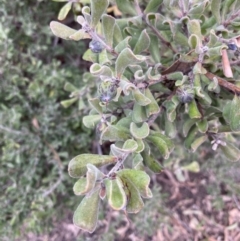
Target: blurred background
(195, 197)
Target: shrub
(37, 135)
(166, 73)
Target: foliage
(165, 69)
(37, 135)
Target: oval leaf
(77, 167)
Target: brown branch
(224, 83)
(233, 16)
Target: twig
(233, 16)
(236, 201)
(224, 83)
(11, 131)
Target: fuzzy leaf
(125, 58)
(140, 97)
(190, 137)
(142, 43)
(153, 107)
(126, 7)
(98, 7)
(235, 114)
(95, 104)
(67, 103)
(138, 113)
(61, 30)
(64, 11)
(192, 167)
(153, 6)
(198, 142)
(139, 179)
(202, 125)
(108, 24)
(86, 214)
(115, 133)
(116, 196)
(231, 152)
(137, 162)
(70, 87)
(215, 7)
(77, 167)
(85, 185)
(139, 132)
(80, 34)
(165, 138)
(151, 162)
(193, 110)
(160, 144)
(91, 120)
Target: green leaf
(115, 133)
(141, 145)
(187, 126)
(194, 27)
(151, 162)
(198, 142)
(202, 125)
(215, 7)
(95, 105)
(137, 162)
(170, 127)
(231, 152)
(190, 137)
(126, 7)
(153, 107)
(193, 110)
(80, 34)
(125, 58)
(70, 87)
(90, 121)
(140, 97)
(165, 138)
(139, 179)
(153, 6)
(138, 113)
(227, 112)
(139, 132)
(108, 24)
(192, 167)
(154, 48)
(142, 43)
(64, 11)
(235, 114)
(61, 30)
(98, 7)
(77, 167)
(67, 103)
(160, 144)
(86, 214)
(85, 185)
(116, 195)
(130, 145)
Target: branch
(11, 131)
(224, 83)
(229, 20)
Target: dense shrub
(167, 75)
(37, 134)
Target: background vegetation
(38, 137)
